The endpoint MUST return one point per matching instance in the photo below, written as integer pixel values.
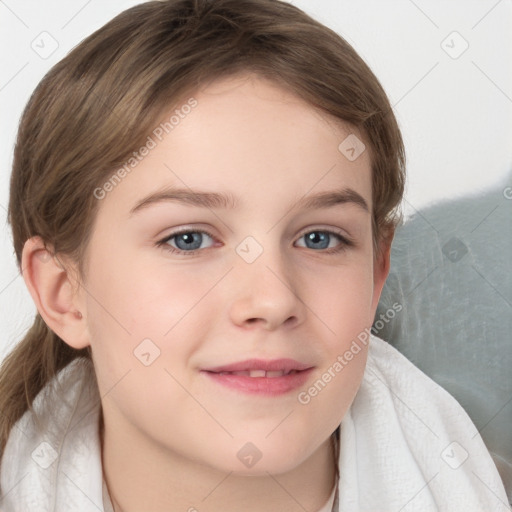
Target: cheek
(333, 391)
(341, 302)
(138, 298)
(139, 313)
(341, 299)
(144, 328)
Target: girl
(203, 199)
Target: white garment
(406, 445)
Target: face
(180, 285)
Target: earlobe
(51, 288)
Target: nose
(266, 294)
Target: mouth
(260, 373)
(261, 377)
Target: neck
(139, 477)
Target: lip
(269, 386)
(261, 364)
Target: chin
(251, 461)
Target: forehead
(248, 103)
(251, 138)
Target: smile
(260, 377)
(260, 373)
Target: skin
(171, 434)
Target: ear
(381, 265)
(55, 293)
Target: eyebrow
(214, 200)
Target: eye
(191, 241)
(185, 241)
(322, 239)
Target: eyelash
(345, 242)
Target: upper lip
(286, 365)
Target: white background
(455, 113)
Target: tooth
(260, 373)
(257, 373)
(275, 373)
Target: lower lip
(271, 386)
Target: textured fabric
(451, 271)
(56, 467)
(405, 445)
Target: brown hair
(98, 104)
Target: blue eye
(187, 242)
(190, 241)
(322, 240)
